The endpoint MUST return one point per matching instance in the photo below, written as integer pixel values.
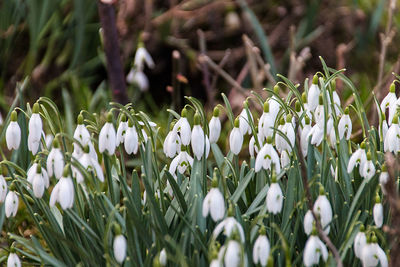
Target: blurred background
(221, 46)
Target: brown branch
(111, 48)
(221, 64)
(321, 232)
(394, 202)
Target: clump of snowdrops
(187, 202)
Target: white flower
(35, 130)
(183, 128)
(274, 107)
(308, 222)
(372, 255)
(232, 254)
(359, 242)
(33, 170)
(288, 131)
(142, 57)
(121, 132)
(304, 137)
(89, 164)
(131, 142)
(322, 208)
(244, 119)
(390, 99)
(13, 133)
(266, 157)
(215, 129)
(214, 204)
(368, 170)
(261, 250)
(313, 250)
(13, 260)
(215, 263)
(359, 157)
(336, 102)
(236, 139)
(253, 146)
(107, 137)
(208, 146)
(63, 192)
(266, 121)
(139, 78)
(33, 144)
(383, 129)
(82, 135)
(317, 134)
(163, 257)
(274, 198)
(378, 212)
(119, 247)
(345, 126)
(285, 159)
(197, 139)
(3, 188)
(383, 178)
(313, 94)
(320, 115)
(180, 162)
(172, 144)
(229, 225)
(55, 161)
(392, 138)
(11, 204)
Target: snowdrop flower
(252, 143)
(359, 157)
(197, 139)
(35, 130)
(213, 203)
(266, 157)
(236, 138)
(121, 131)
(300, 111)
(319, 113)
(372, 254)
(285, 159)
(336, 102)
(48, 140)
(55, 161)
(378, 212)
(383, 178)
(11, 204)
(313, 250)
(345, 125)
(228, 226)
(3, 188)
(245, 119)
(261, 249)
(313, 94)
(180, 162)
(215, 126)
(215, 263)
(131, 142)
(63, 192)
(232, 254)
(317, 134)
(359, 242)
(304, 136)
(172, 144)
(288, 131)
(308, 222)
(163, 257)
(81, 134)
(13, 133)
(273, 103)
(266, 122)
(107, 137)
(182, 126)
(37, 169)
(13, 260)
(274, 197)
(389, 100)
(142, 57)
(383, 128)
(368, 170)
(38, 182)
(89, 164)
(119, 247)
(323, 209)
(139, 78)
(392, 138)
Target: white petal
(119, 247)
(378, 214)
